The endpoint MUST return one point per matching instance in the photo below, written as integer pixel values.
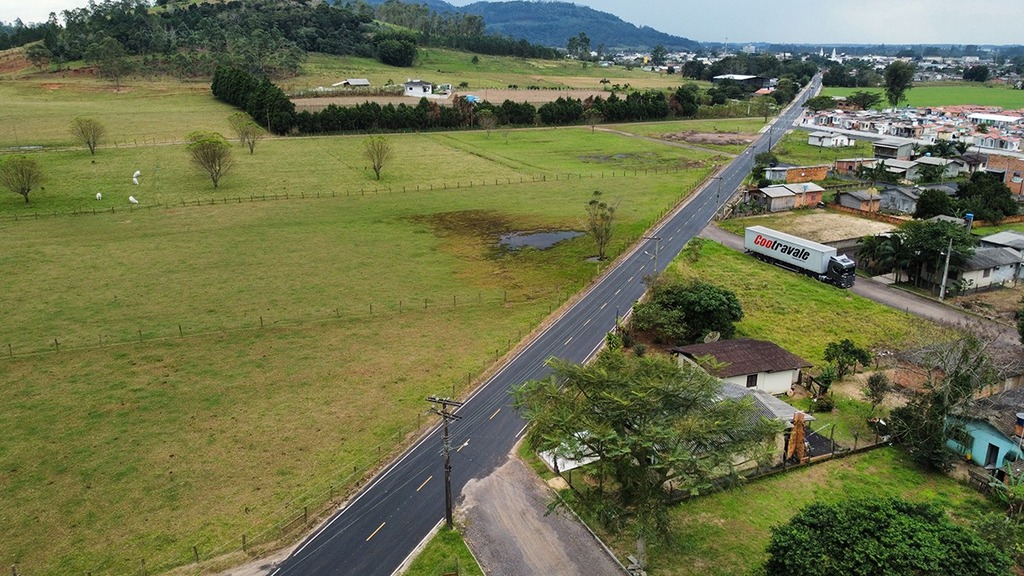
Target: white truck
(810, 258)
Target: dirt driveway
(507, 530)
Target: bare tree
(211, 152)
(377, 150)
(249, 132)
(20, 175)
(486, 120)
(600, 219)
(593, 117)
(88, 131)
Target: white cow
(99, 196)
(133, 200)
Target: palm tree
(869, 252)
(894, 254)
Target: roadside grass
(948, 95)
(794, 149)
(725, 533)
(446, 553)
(799, 313)
(218, 367)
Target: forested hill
(553, 23)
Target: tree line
(268, 105)
(265, 37)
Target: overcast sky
(798, 21)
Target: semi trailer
(810, 258)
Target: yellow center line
(495, 414)
(425, 482)
(375, 531)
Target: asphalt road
(378, 529)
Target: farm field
(794, 149)
(724, 534)
(948, 95)
(711, 134)
(203, 366)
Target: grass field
(724, 534)
(183, 375)
(948, 95)
(799, 313)
(794, 149)
(748, 126)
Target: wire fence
(85, 208)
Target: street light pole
(718, 196)
(657, 247)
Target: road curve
(377, 530)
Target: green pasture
(205, 364)
(794, 149)
(725, 534)
(797, 312)
(948, 95)
(37, 110)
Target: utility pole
(945, 271)
(718, 196)
(447, 417)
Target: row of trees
(271, 107)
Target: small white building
(829, 140)
(750, 363)
(988, 267)
(418, 88)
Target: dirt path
(507, 530)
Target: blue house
(995, 426)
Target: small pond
(538, 240)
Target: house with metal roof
(988, 267)
(1006, 239)
(757, 364)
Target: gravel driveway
(507, 530)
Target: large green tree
(987, 197)
(111, 60)
(934, 203)
(685, 312)
(899, 77)
(879, 537)
(20, 174)
(211, 152)
(928, 241)
(651, 423)
(863, 99)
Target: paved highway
(378, 529)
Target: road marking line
(464, 444)
(425, 482)
(603, 305)
(587, 322)
(495, 414)
(617, 291)
(375, 531)
(630, 278)
(521, 430)
(567, 341)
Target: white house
(989, 267)
(750, 363)
(418, 88)
(829, 140)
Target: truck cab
(841, 271)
